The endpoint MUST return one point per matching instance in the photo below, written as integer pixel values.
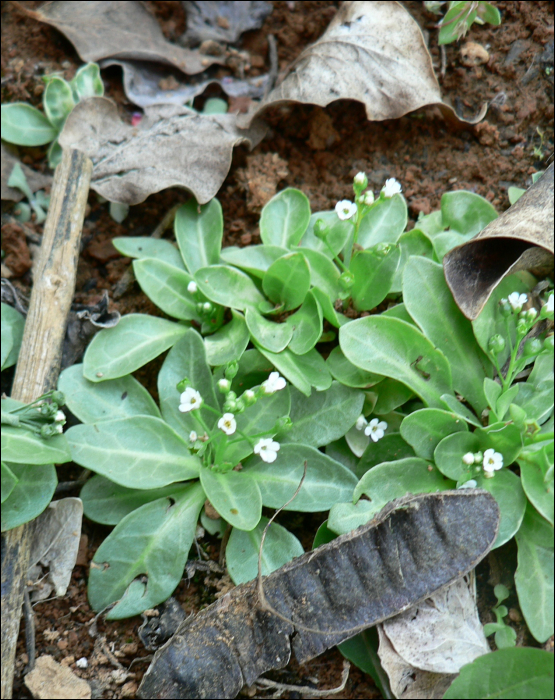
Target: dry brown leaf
(520, 239)
(110, 29)
(372, 52)
(36, 181)
(222, 21)
(172, 146)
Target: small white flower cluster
(273, 383)
(491, 461)
(375, 430)
(391, 188)
(516, 301)
(345, 209)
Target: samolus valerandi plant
(25, 125)
(460, 16)
(32, 443)
(444, 401)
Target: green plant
(460, 17)
(505, 636)
(38, 202)
(32, 442)
(24, 125)
(12, 332)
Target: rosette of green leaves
(462, 14)
(151, 482)
(25, 125)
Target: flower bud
(207, 307)
(532, 347)
(182, 385)
(478, 457)
(231, 370)
(468, 459)
(347, 279)
(192, 287)
(224, 385)
(58, 398)
(549, 343)
(368, 199)
(321, 229)
(360, 183)
(230, 406)
(248, 397)
(283, 423)
(240, 406)
(496, 344)
(531, 315)
(47, 431)
(505, 308)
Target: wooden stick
(39, 360)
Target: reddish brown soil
(318, 151)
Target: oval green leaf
(287, 281)
(58, 101)
(30, 496)
(426, 428)
(199, 231)
(384, 223)
(24, 125)
(374, 271)
(229, 287)
(235, 496)
(229, 343)
(284, 219)
(269, 335)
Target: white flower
(224, 385)
(375, 429)
(190, 400)
(361, 423)
(345, 209)
(492, 461)
(267, 449)
(273, 383)
(468, 458)
(82, 662)
(517, 301)
(59, 428)
(368, 199)
(60, 417)
(391, 188)
(360, 178)
(193, 437)
(192, 287)
(549, 305)
(227, 423)
(470, 484)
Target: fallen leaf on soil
(36, 181)
(49, 679)
(17, 254)
(429, 643)
(57, 532)
(222, 21)
(372, 52)
(412, 548)
(117, 29)
(172, 146)
(520, 239)
(147, 84)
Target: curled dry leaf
(36, 181)
(520, 239)
(222, 21)
(147, 84)
(372, 52)
(118, 29)
(172, 146)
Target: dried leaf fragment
(172, 146)
(102, 29)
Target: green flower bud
(224, 385)
(231, 370)
(321, 229)
(549, 343)
(505, 308)
(248, 397)
(496, 344)
(230, 406)
(521, 327)
(182, 385)
(283, 423)
(347, 279)
(48, 431)
(518, 415)
(59, 398)
(240, 406)
(532, 347)
(360, 183)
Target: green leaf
(391, 480)
(390, 448)
(166, 286)
(326, 304)
(374, 271)
(287, 281)
(460, 410)
(349, 374)
(341, 452)
(506, 488)
(536, 472)
(58, 101)
(466, 212)
(13, 324)
(391, 395)
(22, 446)
(241, 554)
(344, 517)
(362, 651)
(54, 154)
(285, 218)
(229, 343)
(323, 272)
(324, 416)
(337, 234)
(138, 452)
(254, 259)
(411, 243)
(143, 247)
(488, 13)
(136, 340)
(87, 82)
(399, 311)
(154, 541)
(107, 503)
(504, 437)
(199, 230)
(534, 574)
(229, 287)
(9, 481)
(398, 350)
(492, 391)
(424, 429)
(30, 496)
(303, 371)
(306, 324)
(269, 335)
(96, 401)
(187, 359)
(429, 301)
(535, 399)
(326, 482)
(384, 223)
(519, 673)
(235, 496)
(25, 125)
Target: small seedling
(38, 202)
(505, 636)
(460, 17)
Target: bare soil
(318, 151)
